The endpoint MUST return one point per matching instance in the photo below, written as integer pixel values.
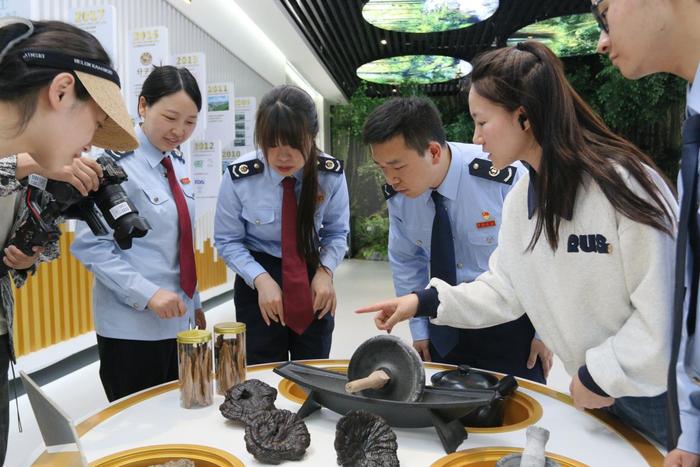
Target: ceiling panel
(343, 40)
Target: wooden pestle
(376, 380)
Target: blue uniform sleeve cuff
(139, 298)
(251, 273)
(428, 302)
(419, 329)
(689, 440)
(587, 381)
(330, 262)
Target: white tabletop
(155, 417)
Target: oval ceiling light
(566, 36)
(414, 69)
(427, 15)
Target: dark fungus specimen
(273, 436)
(248, 398)
(363, 439)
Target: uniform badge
(185, 181)
(118, 155)
(486, 215)
(486, 224)
(246, 169)
(329, 164)
(177, 155)
(483, 168)
(388, 191)
(320, 197)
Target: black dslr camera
(61, 200)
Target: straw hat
(102, 83)
(100, 80)
(117, 132)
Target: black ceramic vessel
(438, 407)
(463, 378)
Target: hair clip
(14, 20)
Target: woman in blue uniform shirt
(284, 255)
(145, 295)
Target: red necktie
(188, 272)
(296, 293)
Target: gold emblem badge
(244, 170)
(146, 59)
(486, 215)
(329, 165)
(494, 172)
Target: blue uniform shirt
(249, 215)
(474, 205)
(125, 280)
(688, 367)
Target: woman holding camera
(145, 295)
(281, 224)
(52, 106)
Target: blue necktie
(442, 266)
(687, 230)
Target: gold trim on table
(647, 450)
(487, 457)
(202, 456)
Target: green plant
(460, 129)
(647, 112)
(371, 237)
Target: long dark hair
(166, 80)
(287, 116)
(20, 84)
(573, 138)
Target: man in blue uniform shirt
(445, 205)
(651, 36)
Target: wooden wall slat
(56, 303)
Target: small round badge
(329, 165)
(244, 169)
(494, 172)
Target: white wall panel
(185, 37)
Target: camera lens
(120, 214)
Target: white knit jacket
(610, 310)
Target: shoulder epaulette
(177, 154)
(246, 169)
(118, 155)
(483, 168)
(388, 191)
(328, 164)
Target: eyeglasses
(599, 17)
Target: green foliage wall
(648, 112)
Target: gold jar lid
(193, 336)
(229, 328)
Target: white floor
(80, 393)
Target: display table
(154, 417)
